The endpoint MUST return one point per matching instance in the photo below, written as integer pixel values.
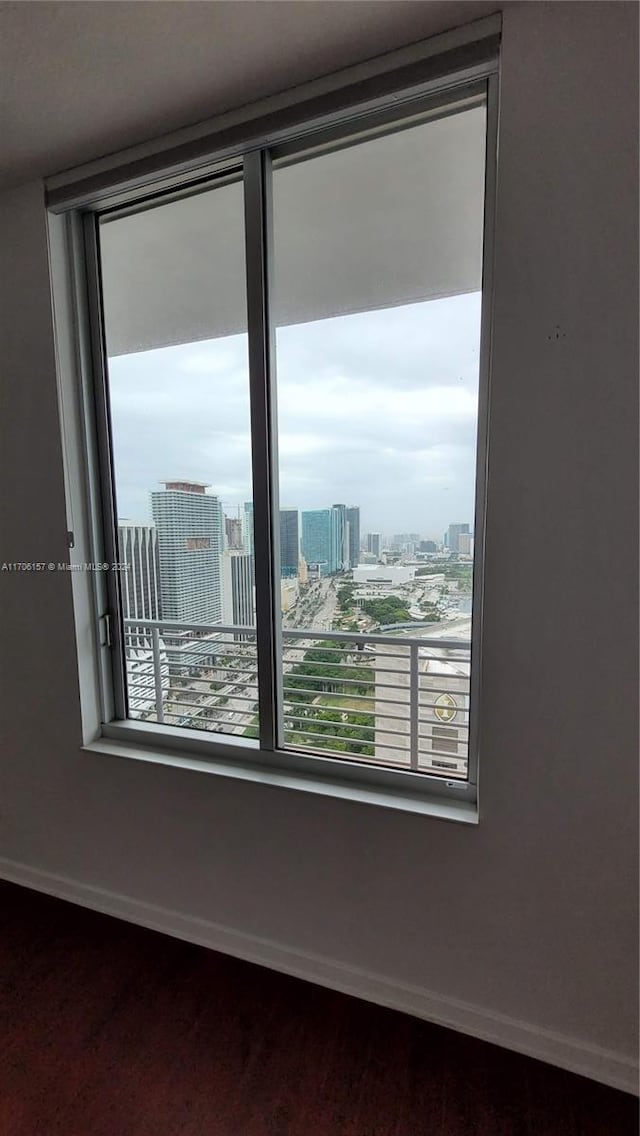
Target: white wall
(526, 923)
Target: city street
(237, 713)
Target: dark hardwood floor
(108, 1029)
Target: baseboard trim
(569, 1053)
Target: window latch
(104, 625)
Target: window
(175, 320)
(285, 414)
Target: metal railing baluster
(157, 673)
(171, 669)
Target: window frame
(73, 220)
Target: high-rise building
(238, 589)
(374, 543)
(140, 593)
(353, 520)
(453, 534)
(139, 584)
(465, 544)
(427, 546)
(289, 543)
(189, 526)
(247, 527)
(339, 538)
(233, 532)
(316, 541)
(405, 542)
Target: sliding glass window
(175, 320)
(377, 285)
(291, 409)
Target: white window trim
(79, 346)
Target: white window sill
(248, 764)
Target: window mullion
(105, 542)
(258, 227)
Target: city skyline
(361, 542)
(239, 514)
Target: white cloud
(377, 409)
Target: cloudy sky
(377, 409)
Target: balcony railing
(398, 701)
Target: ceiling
(79, 80)
(394, 220)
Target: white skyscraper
(140, 592)
(139, 584)
(247, 526)
(238, 589)
(189, 524)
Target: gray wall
(531, 914)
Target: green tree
(393, 609)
